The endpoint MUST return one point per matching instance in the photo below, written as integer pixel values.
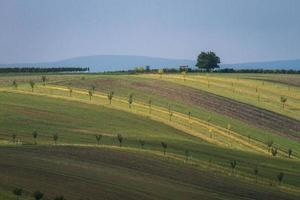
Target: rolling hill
(207, 122)
(100, 63)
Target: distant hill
(281, 64)
(100, 63)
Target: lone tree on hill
(15, 84)
(18, 192)
(90, 94)
(120, 139)
(55, 138)
(34, 135)
(38, 195)
(32, 84)
(110, 96)
(208, 61)
(280, 177)
(283, 100)
(164, 146)
(98, 138)
(130, 99)
(44, 80)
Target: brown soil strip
(249, 114)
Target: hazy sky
(237, 30)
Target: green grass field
(211, 146)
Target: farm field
(206, 128)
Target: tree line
(40, 69)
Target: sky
(237, 30)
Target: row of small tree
(37, 195)
(233, 165)
(283, 99)
(35, 136)
(273, 149)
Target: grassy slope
(79, 122)
(23, 113)
(124, 85)
(110, 173)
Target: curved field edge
(249, 92)
(110, 173)
(218, 135)
(178, 97)
(40, 113)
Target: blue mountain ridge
(100, 63)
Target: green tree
(164, 146)
(34, 135)
(14, 136)
(55, 138)
(120, 139)
(269, 144)
(274, 151)
(98, 138)
(208, 61)
(150, 106)
(90, 93)
(44, 80)
(110, 96)
(18, 192)
(142, 143)
(15, 84)
(38, 195)
(170, 115)
(32, 84)
(70, 91)
(280, 177)
(290, 151)
(130, 99)
(233, 166)
(283, 100)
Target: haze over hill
(100, 63)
